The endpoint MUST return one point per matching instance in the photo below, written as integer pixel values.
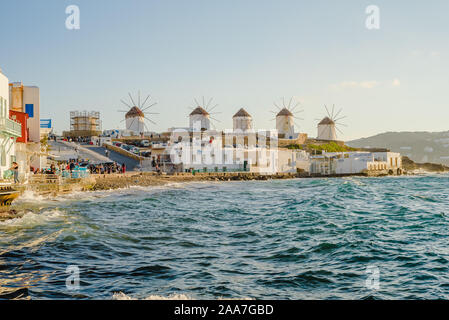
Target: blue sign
(46, 123)
(29, 108)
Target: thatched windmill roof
(199, 110)
(242, 113)
(285, 112)
(326, 121)
(134, 112)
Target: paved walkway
(70, 150)
(131, 164)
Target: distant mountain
(418, 146)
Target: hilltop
(423, 147)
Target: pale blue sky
(243, 53)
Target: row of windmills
(285, 123)
(243, 121)
(201, 118)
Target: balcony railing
(10, 127)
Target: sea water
(336, 238)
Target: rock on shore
(410, 166)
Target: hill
(418, 146)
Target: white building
(326, 129)
(208, 153)
(9, 129)
(293, 160)
(199, 120)
(135, 121)
(331, 163)
(242, 120)
(206, 156)
(285, 124)
(393, 160)
(27, 99)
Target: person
(107, 153)
(15, 170)
(123, 168)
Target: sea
(318, 238)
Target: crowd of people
(107, 168)
(75, 165)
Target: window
(29, 109)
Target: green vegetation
(294, 147)
(329, 147)
(319, 148)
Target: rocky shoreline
(107, 182)
(411, 166)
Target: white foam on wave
(30, 196)
(32, 219)
(122, 296)
(174, 296)
(354, 180)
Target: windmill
(285, 117)
(201, 115)
(328, 126)
(136, 115)
(242, 120)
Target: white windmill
(285, 118)
(328, 126)
(136, 115)
(200, 118)
(242, 120)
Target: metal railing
(10, 127)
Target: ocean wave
(305, 238)
(31, 196)
(174, 296)
(32, 219)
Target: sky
(241, 53)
